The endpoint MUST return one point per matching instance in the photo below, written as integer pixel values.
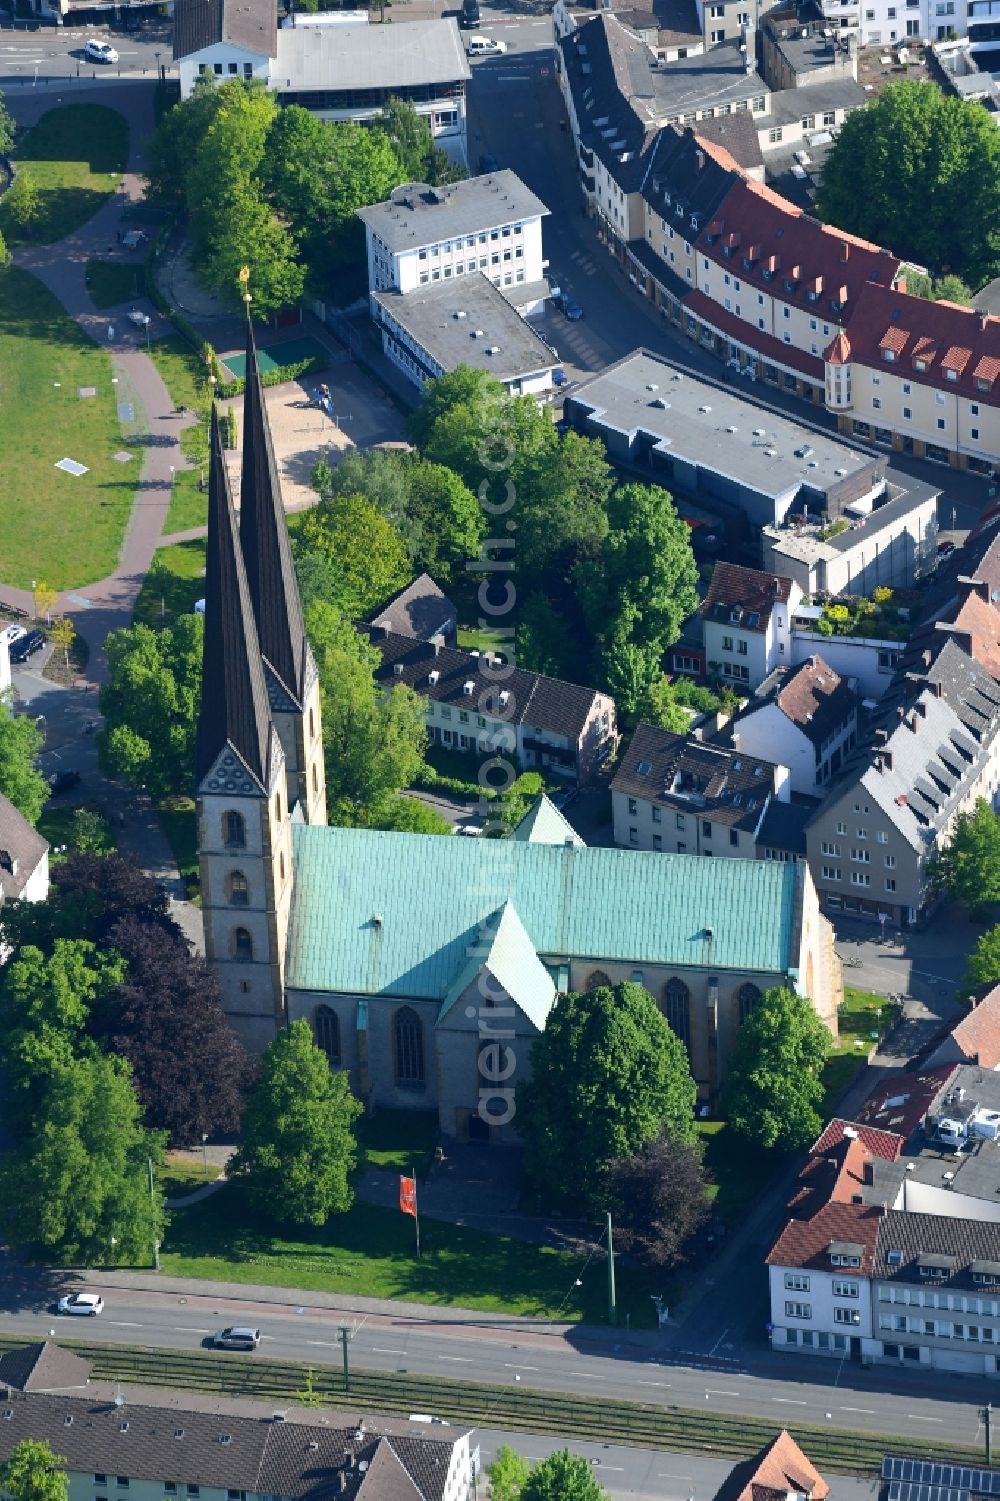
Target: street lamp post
(204, 1152)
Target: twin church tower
(259, 759)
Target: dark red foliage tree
(660, 1200)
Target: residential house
(340, 72)
(933, 751)
(782, 835)
(435, 329)
(421, 610)
(975, 1037)
(746, 618)
(779, 1469)
(807, 715)
(680, 794)
(561, 728)
(24, 859)
(669, 28)
(490, 224)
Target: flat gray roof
(714, 429)
(370, 57)
(419, 215)
(718, 76)
(788, 105)
(431, 316)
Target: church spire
(234, 707)
(274, 589)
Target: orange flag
(408, 1196)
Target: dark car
(27, 646)
(488, 163)
(559, 376)
(469, 15)
(569, 306)
(63, 781)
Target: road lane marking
(386, 1350)
(600, 1465)
(459, 1359)
(918, 1417)
(326, 1344)
(186, 1329)
(652, 1383)
(870, 1411)
(713, 1393)
(117, 1324)
(509, 1367)
(589, 1375)
(791, 1401)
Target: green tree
(507, 1473)
(951, 288)
(22, 201)
(969, 865)
(89, 832)
(546, 642)
(508, 808)
(608, 1075)
(20, 781)
(562, 1477)
(919, 171)
(34, 1473)
(171, 149)
(298, 1149)
(362, 547)
(410, 137)
(774, 1084)
(251, 235)
(76, 1186)
(408, 815)
(984, 962)
(8, 129)
(661, 706)
(5, 255)
(150, 705)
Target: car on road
(83, 1305)
(64, 781)
(133, 238)
(100, 52)
(469, 17)
(559, 376)
(486, 46)
(488, 163)
(237, 1338)
(568, 305)
(27, 646)
(12, 633)
(138, 317)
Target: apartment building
(681, 794)
(341, 72)
(492, 225)
(421, 610)
(805, 715)
(746, 620)
(934, 750)
(474, 697)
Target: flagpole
(416, 1210)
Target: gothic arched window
(239, 890)
(234, 830)
(409, 1043)
(326, 1030)
(242, 944)
(747, 998)
(677, 1009)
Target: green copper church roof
(394, 914)
(544, 824)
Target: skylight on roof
(644, 768)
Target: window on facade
(409, 1041)
(796, 1282)
(248, 70)
(242, 944)
(747, 998)
(239, 892)
(597, 979)
(326, 1030)
(677, 1010)
(846, 1316)
(234, 830)
(845, 1289)
(798, 1311)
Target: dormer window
(951, 375)
(812, 296)
(889, 355)
(920, 364)
(933, 1273)
(982, 384)
(695, 221)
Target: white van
(486, 46)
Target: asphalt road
(56, 52)
(786, 1388)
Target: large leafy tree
(20, 780)
(562, 1477)
(969, 865)
(660, 1197)
(774, 1086)
(76, 1186)
(410, 137)
(165, 1017)
(919, 171)
(984, 962)
(362, 547)
(507, 1473)
(607, 1076)
(298, 1149)
(150, 705)
(34, 1473)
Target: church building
(426, 965)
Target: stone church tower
(260, 739)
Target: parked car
(100, 52)
(568, 305)
(138, 317)
(236, 1339)
(26, 646)
(64, 781)
(469, 15)
(12, 633)
(559, 376)
(83, 1305)
(133, 238)
(486, 46)
(488, 163)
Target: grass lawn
(75, 156)
(177, 815)
(862, 1014)
(182, 370)
(400, 1139)
(182, 1175)
(56, 825)
(470, 640)
(370, 1252)
(741, 1172)
(56, 527)
(112, 282)
(188, 504)
(175, 581)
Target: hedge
(277, 377)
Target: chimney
(937, 688)
(736, 741)
(383, 629)
(881, 736)
(845, 251)
(775, 586)
(901, 711)
(984, 319)
(436, 643)
(868, 1175)
(927, 659)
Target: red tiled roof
(746, 589)
(719, 154)
(776, 1471)
(877, 1143)
(982, 621)
(831, 1177)
(805, 1243)
(781, 235)
(978, 1033)
(915, 328)
(765, 345)
(900, 1102)
(839, 352)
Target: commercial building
(346, 72)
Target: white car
(12, 633)
(100, 52)
(486, 46)
(84, 1305)
(138, 317)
